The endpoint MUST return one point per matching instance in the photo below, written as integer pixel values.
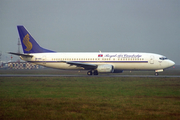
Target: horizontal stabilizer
(23, 55)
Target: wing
(84, 65)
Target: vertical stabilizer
(28, 43)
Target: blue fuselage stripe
(90, 61)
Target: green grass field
(89, 98)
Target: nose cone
(171, 63)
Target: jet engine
(105, 68)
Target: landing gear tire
(95, 72)
(156, 73)
(89, 73)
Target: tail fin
(29, 45)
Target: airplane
(94, 62)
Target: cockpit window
(163, 58)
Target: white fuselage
(119, 60)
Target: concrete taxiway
(50, 75)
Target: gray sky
(92, 25)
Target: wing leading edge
(86, 66)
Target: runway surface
(43, 75)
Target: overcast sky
(92, 25)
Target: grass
(89, 98)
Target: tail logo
(27, 43)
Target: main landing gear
(90, 72)
(156, 73)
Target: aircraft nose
(171, 63)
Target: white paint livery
(91, 61)
(95, 62)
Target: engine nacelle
(105, 68)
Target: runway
(50, 75)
